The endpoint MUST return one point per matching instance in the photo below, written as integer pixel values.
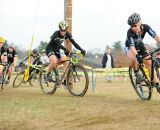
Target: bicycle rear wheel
(77, 80)
(18, 80)
(46, 86)
(143, 89)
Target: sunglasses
(135, 25)
(63, 30)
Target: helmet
(43, 51)
(63, 25)
(2, 40)
(11, 45)
(134, 18)
(35, 51)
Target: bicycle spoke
(77, 80)
(143, 89)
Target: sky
(95, 23)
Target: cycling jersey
(136, 40)
(2, 52)
(133, 38)
(37, 59)
(56, 41)
(11, 55)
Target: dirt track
(113, 106)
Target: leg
(148, 65)
(133, 60)
(53, 60)
(1, 70)
(65, 64)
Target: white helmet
(11, 45)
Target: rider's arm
(4, 55)
(25, 59)
(15, 61)
(157, 38)
(133, 50)
(69, 36)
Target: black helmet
(134, 18)
(35, 51)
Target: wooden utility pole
(68, 17)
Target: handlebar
(152, 52)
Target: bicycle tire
(47, 87)
(4, 77)
(77, 75)
(33, 78)
(144, 89)
(20, 77)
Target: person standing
(44, 58)
(108, 62)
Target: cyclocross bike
(75, 77)
(145, 84)
(4, 78)
(33, 76)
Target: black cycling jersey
(37, 59)
(3, 51)
(11, 55)
(134, 39)
(56, 42)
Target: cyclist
(37, 59)
(135, 49)
(3, 55)
(55, 44)
(12, 60)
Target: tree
(117, 47)
(42, 45)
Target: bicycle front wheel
(19, 79)
(47, 86)
(77, 80)
(4, 78)
(142, 87)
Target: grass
(113, 106)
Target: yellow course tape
(109, 71)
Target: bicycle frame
(151, 77)
(65, 72)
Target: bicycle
(4, 77)
(143, 84)
(77, 80)
(33, 77)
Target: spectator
(44, 58)
(108, 62)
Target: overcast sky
(96, 23)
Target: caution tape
(109, 71)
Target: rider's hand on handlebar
(139, 59)
(66, 52)
(83, 52)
